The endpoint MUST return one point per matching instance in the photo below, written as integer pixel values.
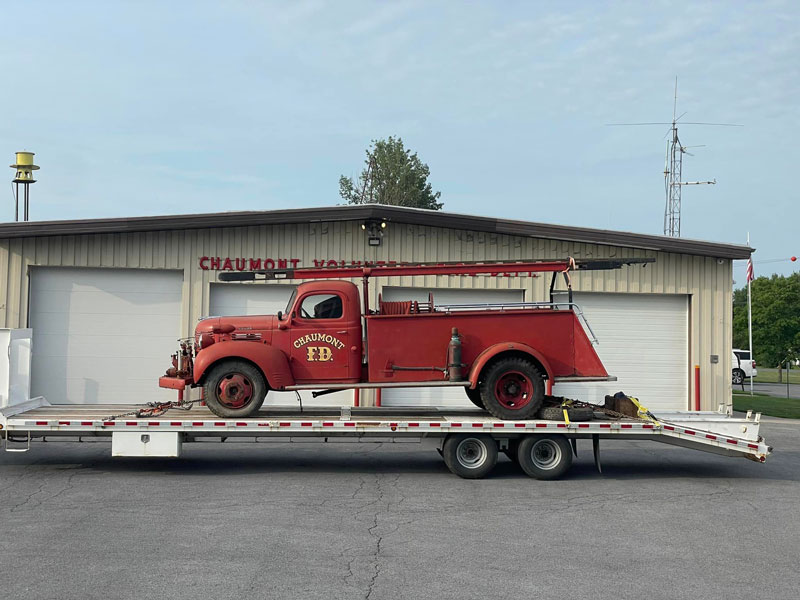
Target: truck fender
(273, 363)
(492, 351)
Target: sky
(148, 108)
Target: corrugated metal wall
(706, 280)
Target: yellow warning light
(25, 168)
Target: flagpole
(750, 316)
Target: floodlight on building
(24, 175)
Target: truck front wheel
(234, 389)
(513, 388)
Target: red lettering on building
(255, 264)
(203, 261)
(269, 264)
(242, 262)
(282, 263)
(215, 263)
(227, 265)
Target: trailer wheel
(513, 389)
(545, 456)
(474, 396)
(470, 456)
(234, 388)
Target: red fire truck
(506, 357)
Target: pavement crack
(376, 555)
(67, 486)
(29, 498)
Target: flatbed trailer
(479, 436)
(469, 440)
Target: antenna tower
(673, 168)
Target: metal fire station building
(107, 298)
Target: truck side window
(321, 306)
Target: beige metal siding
(706, 280)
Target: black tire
(474, 395)
(575, 413)
(738, 377)
(470, 456)
(513, 388)
(234, 389)
(545, 456)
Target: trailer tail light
(753, 363)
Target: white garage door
(644, 342)
(450, 397)
(235, 299)
(227, 299)
(103, 336)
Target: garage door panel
(103, 335)
(643, 341)
(114, 281)
(343, 398)
(100, 302)
(237, 299)
(102, 349)
(69, 324)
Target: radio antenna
(673, 167)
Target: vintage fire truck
(506, 357)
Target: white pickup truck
(743, 366)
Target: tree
(776, 318)
(393, 175)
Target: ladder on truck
(415, 269)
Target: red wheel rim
(235, 390)
(513, 390)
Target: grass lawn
(768, 405)
(771, 376)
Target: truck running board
(579, 379)
(369, 386)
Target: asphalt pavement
(384, 521)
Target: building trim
(363, 212)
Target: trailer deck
(715, 432)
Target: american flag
(750, 270)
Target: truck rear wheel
(544, 456)
(513, 389)
(234, 388)
(470, 456)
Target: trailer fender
(506, 347)
(272, 362)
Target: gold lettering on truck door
(318, 354)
